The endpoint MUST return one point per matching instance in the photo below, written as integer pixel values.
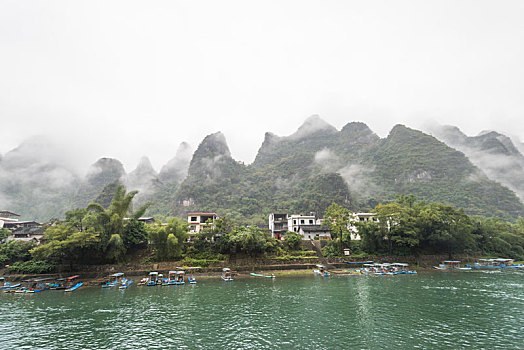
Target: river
(431, 310)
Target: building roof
(202, 214)
(8, 213)
(16, 223)
(314, 228)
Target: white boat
(226, 274)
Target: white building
(199, 221)
(359, 217)
(281, 222)
(294, 222)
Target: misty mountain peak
(176, 168)
(105, 170)
(312, 125)
(212, 146)
(358, 132)
(144, 167)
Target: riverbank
(97, 274)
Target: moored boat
(321, 270)
(191, 280)
(126, 284)
(451, 265)
(226, 274)
(153, 279)
(75, 287)
(114, 279)
(38, 285)
(496, 263)
(259, 275)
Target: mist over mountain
(303, 172)
(495, 154)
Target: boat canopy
(359, 262)
(153, 273)
(73, 277)
(226, 269)
(400, 264)
(118, 274)
(451, 261)
(41, 279)
(173, 272)
(320, 266)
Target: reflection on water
(430, 310)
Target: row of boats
(370, 268)
(36, 285)
(154, 279)
(481, 264)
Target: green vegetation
(407, 226)
(413, 227)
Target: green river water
(469, 310)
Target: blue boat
(191, 280)
(75, 287)
(153, 279)
(10, 287)
(38, 285)
(497, 263)
(7, 285)
(114, 279)
(126, 284)
(321, 271)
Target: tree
(110, 222)
(64, 243)
(167, 242)
(249, 240)
(293, 240)
(4, 233)
(337, 218)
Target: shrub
(31, 266)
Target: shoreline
(98, 274)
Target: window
(193, 218)
(294, 222)
(302, 221)
(311, 222)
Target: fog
(125, 79)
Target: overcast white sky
(130, 78)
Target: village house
(7, 217)
(282, 222)
(199, 221)
(21, 230)
(359, 217)
(311, 232)
(278, 224)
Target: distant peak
(144, 164)
(213, 145)
(355, 127)
(313, 125)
